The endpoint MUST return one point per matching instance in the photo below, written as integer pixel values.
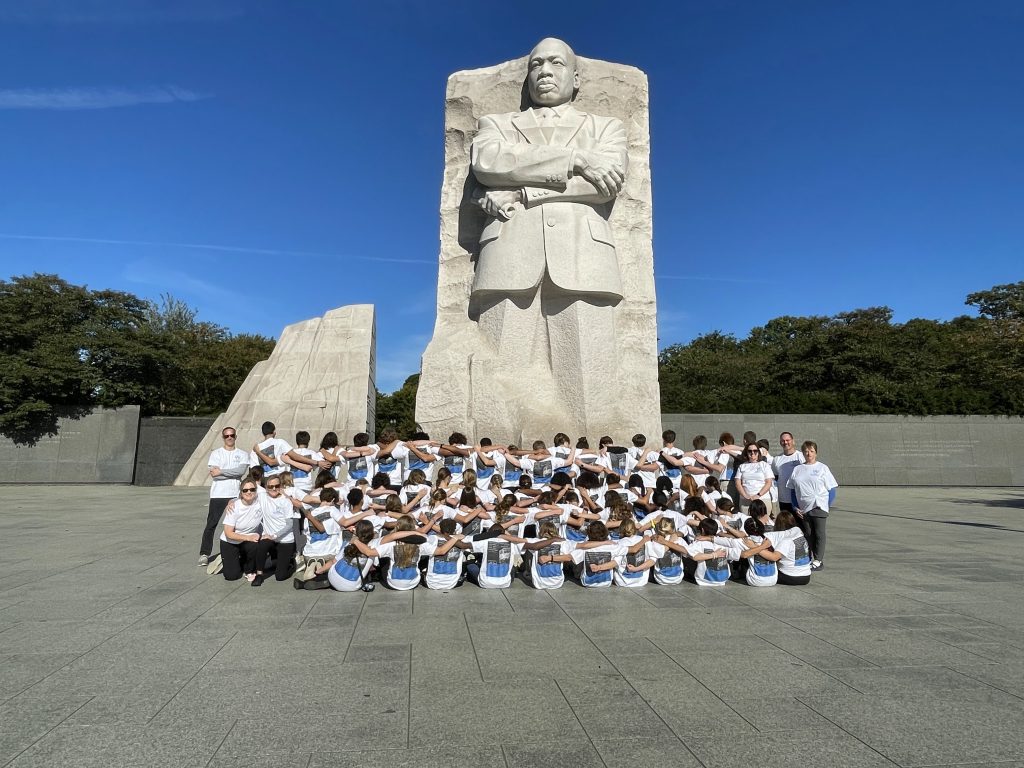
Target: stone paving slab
(116, 650)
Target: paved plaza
(116, 650)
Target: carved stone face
(551, 76)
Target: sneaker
(817, 565)
(368, 587)
(258, 580)
(300, 563)
(310, 572)
(203, 561)
(250, 577)
(216, 565)
(298, 583)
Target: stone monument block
(319, 378)
(545, 295)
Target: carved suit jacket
(563, 225)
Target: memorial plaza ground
(116, 650)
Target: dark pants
(237, 558)
(795, 581)
(213, 516)
(283, 554)
(817, 538)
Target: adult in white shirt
(270, 452)
(814, 491)
(754, 478)
(783, 466)
(278, 534)
(240, 536)
(228, 465)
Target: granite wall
(165, 444)
(885, 450)
(97, 448)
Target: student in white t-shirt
(633, 570)
(762, 567)
(814, 489)
(494, 566)
(545, 572)
(710, 561)
(445, 565)
(270, 452)
(666, 548)
(596, 558)
(399, 553)
(349, 571)
(788, 541)
(416, 490)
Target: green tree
(65, 349)
(398, 410)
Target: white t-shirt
(624, 577)
(671, 471)
(648, 476)
(811, 484)
(761, 572)
(408, 493)
(668, 564)
(244, 518)
(621, 464)
(752, 476)
(233, 465)
(484, 471)
(456, 464)
(325, 544)
(412, 461)
(274, 448)
(796, 554)
(542, 470)
(390, 464)
(496, 562)
(277, 518)
(548, 575)
(444, 571)
(359, 467)
(304, 478)
(585, 558)
(783, 466)
(709, 573)
(408, 577)
(348, 575)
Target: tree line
(857, 362)
(66, 349)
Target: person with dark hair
(754, 478)
(814, 489)
(788, 541)
(270, 452)
(710, 561)
(596, 558)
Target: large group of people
(406, 513)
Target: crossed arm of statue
(518, 174)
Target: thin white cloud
(149, 273)
(95, 98)
(212, 247)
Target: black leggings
(817, 538)
(237, 557)
(284, 557)
(794, 581)
(212, 518)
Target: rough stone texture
(885, 450)
(165, 444)
(320, 378)
(461, 386)
(96, 448)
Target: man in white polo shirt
(228, 466)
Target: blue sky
(807, 157)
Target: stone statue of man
(547, 277)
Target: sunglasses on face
(753, 452)
(273, 487)
(248, 490)
(230, 437)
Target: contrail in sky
(209, 247)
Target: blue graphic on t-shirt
(550, 570)
(347, 570)
(801, 551)
(357, 468)
(761, 567)
(499, 559)
(404, 574)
